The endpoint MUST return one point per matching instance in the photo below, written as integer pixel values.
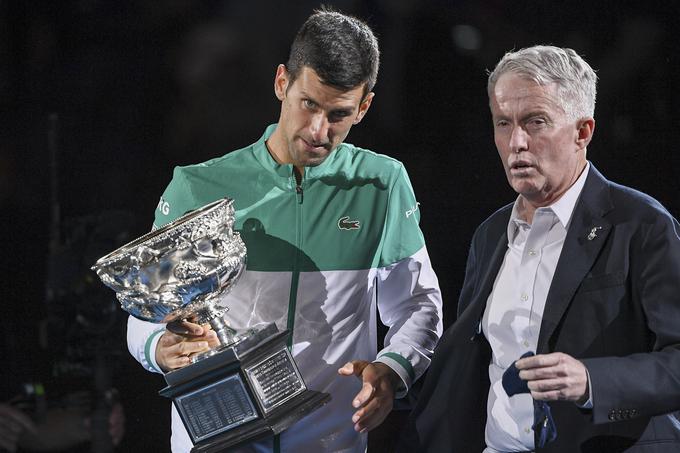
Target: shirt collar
(286, 170)
(562, 208)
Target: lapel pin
(593, 233)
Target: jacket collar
(586, 236)
(284, 172)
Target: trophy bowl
(179, 270)
(247, 388)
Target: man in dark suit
(580, 271)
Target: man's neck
(270, 144)
(526, 208)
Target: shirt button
(525, 343)
(525, 297)
(527, 430)
(532, 252)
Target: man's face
(315, 118)
(543, 151)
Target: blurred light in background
(466, 38)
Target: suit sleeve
(143, 336)
(408, 295)
(646, 383)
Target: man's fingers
(545, 396)
(174, 351)
(374, 400)
(563, 394)
(355, 367)
(541, 373)
(174, 363)
(547, 385)
(184, 327)
(188, 348)
(566, 381)
(538, 361)
(364, 418)
(365, 394)
(372, 414)
(211, 338)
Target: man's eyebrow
(342, 110)
(306, 95)
(524, 116)
(534, 113)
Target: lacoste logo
(344, 223)
(412, 210)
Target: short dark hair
(341, 49)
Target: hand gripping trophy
(247, 388)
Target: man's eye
(339, 116)
(309, 104)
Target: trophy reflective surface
(247, 388)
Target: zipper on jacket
(294, 280)
(295, 275)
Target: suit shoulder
(496, 222)
(636, 204)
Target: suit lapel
(587, 235)
(487, 281)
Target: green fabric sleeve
(402, 235)
(175, 201)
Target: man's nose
(319, 128)
(519, 140)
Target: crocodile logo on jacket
(344, 223)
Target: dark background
(138, 87)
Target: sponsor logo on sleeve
(412, 210)
(163, 207)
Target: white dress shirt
(514, 310)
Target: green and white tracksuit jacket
(320, 257)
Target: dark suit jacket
(614, 303)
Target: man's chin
(524, 188)
(315, 161)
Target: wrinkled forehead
(514, 90)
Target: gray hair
(576, 80)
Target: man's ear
(363, 107)
(585, 130)
(281, 81)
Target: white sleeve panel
(142, 338)
(410, 305)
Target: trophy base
(275, 423)
(246, 391)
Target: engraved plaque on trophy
(247, 388)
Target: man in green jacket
(331, 231)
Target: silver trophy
(247, 388)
